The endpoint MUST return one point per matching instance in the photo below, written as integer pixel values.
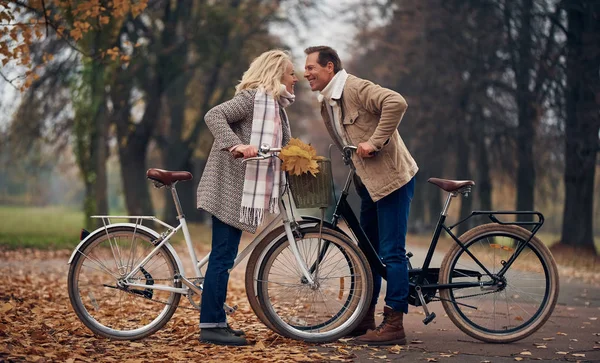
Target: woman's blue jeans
(385, 224)
(225, 243)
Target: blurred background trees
(505, 92)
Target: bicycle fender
(311, 219)
(279, 232)
(106, 229)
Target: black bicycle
(498, 283)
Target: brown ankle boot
(368, 323)
(389, 332)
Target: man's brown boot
(368, 323)
(389, 332)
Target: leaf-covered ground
(38, 324)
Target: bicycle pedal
(429, 318)
(229, 310)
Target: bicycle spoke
(311, 308)
(104, 305)
(519, 297)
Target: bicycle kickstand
(428, 316)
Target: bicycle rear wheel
(501, 309)
(332, 307)
(103, 303)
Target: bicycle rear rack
(106, 220)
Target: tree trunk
(100, 188)
(526, 167)
(463, 173)
(525, 133)
(526, 113)
(133, 143)
(582, 123)
(89, 207)
(135, 184)
(483, 184)
(176, 156)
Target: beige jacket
(371, 113)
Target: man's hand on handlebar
(365, 150)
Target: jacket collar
(335, 88)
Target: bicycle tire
(493, 322)
(83, 305)
(355, 300)
(252, 271)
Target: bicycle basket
(311, 191)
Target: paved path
(572, 330)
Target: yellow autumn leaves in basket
(299, 158)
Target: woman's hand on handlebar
(245, 151)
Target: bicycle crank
(196, 289)
(193, 296)
(428, 316)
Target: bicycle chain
(436, 298)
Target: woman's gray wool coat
(222, 183)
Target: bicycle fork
(292, 241)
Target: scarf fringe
(274, 205)
(254, 216)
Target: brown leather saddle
(168, 177)
(451, 185)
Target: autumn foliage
(23, 23)
(299, 158)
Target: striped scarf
(263, 177)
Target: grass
(551, 239)
(54, 228)
(42, 228)
(58, 228)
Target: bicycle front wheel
(102, 301)
(326, 310)
(500, 309)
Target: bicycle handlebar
(263, 150)
(347, 150)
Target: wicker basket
(312, 191)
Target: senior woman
(238, 195)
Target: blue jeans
(225, 243)
(385, 224)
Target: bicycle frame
(343, 210)
(163, 241)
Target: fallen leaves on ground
(38, 324)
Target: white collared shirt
(330, 95)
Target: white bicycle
(303, 280)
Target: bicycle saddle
(450, 185)
(168, 177)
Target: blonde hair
(265, 72)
